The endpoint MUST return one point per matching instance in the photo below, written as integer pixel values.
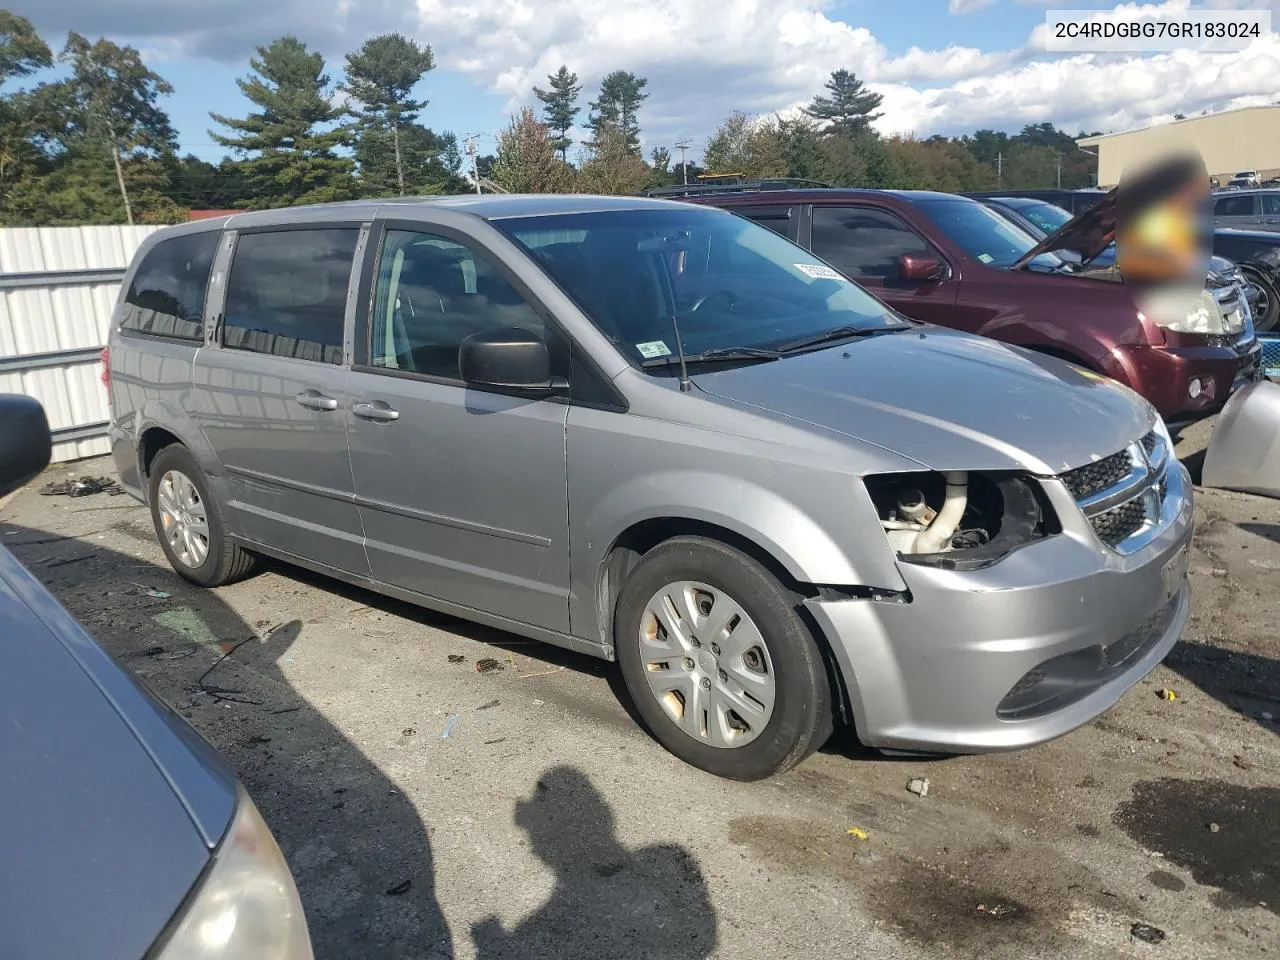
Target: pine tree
(849, 109)
(117, 98)
(289, 156)
(613, 166)
(560, 107)
(380, 78)
(617, 106)
(526, 160)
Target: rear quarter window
(1234, 206)
(166, 295)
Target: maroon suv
(952, 261)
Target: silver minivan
(660, 434)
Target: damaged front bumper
(1244, 447)
(1022, 651)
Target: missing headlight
(960, 521)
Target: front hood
(106, 812)
(948, 400)
(1086, 235)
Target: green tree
(849, 109)
(118, 101)
(380, 79)
(22, 52)
(612, 166)
(560, 107)
(288, 154)
(617, 107)
(526, 160)
(429, 162)
(743, 144)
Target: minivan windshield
(985, 235)
(736, 290)
(1048, 217)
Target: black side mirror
(513, 359)
(920, 269)
(25, 442)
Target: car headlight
(246, 904)
(960, 520)
(1205, 316)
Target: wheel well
(636, 541)
(153, 441)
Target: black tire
(1269, 314)
(225, 562)
(802, 717)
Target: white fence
(58, 286)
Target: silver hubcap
(182, 518)
(707, 664)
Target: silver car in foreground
(662, 434)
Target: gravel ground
(433, 810)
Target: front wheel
(1268, 312)
(722, 669)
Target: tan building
(1244, 139)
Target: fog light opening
(1195, 388)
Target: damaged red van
(951, 261)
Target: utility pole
(475, 166)
(682, 146)
(1059, 159)
(999, 170)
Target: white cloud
(961, 7)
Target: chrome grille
(1122, 495)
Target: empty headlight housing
(1204, 315)
(960, 520)
(246, 904)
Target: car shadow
(358, 847)
(1247, 683)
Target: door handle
(378, 411)
(314, 400)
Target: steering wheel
(728, 295)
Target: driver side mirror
(511, 359)
(918, 269)
(25, 442)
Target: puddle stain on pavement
(1172, 817)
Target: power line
(682, 146)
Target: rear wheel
(721, 667)
(1268, 311)
(188, 522)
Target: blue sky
(943, 66)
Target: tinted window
(864, 242)
(287, 293)
(777, 219)
(728, 281)
(982, 233)
(1240, 206)
(166, 296)
(1271, 204)
(433, 293)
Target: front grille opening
(1119, 523)
(1098, 476)
(1150, 442)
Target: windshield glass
(729, 282)
(1046, 216)
(984, 234)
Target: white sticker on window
(985, 257)
(818, 271)
(653, 348)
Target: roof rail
(744, 186)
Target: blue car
(124, 834)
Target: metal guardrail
(61, 278)
(35, 361)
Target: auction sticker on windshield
(818, 271)
(985, 257)
(653, 348)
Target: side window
(432, 294)
(166, 296)
(777, 219)
(1271, 204)
(1239, 206)
(864, 243)
(287, 293)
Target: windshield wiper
(714, 356)
(839, 333)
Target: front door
(462, 492)
(865, 242)
(271, 394)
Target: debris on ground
(490, 743)
(159, 594)
(181, 653)
(488, 665)
(153, 651)
(997, 910)
(68, 560)
(1241, 762)
(490, 705)
(1214, 828)
(1266, 716)
(919, 786)
(81, 487)
(400, 888)
(1164, 693)
(456, 658)
(857, 833)
(408, 732)
(1146, 933)
(449, 723)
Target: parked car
(1042, 219)
(1257, 254)
(125, 835)
(949, 260)
(1073, 201)
(659, 434)
(1249, 209)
